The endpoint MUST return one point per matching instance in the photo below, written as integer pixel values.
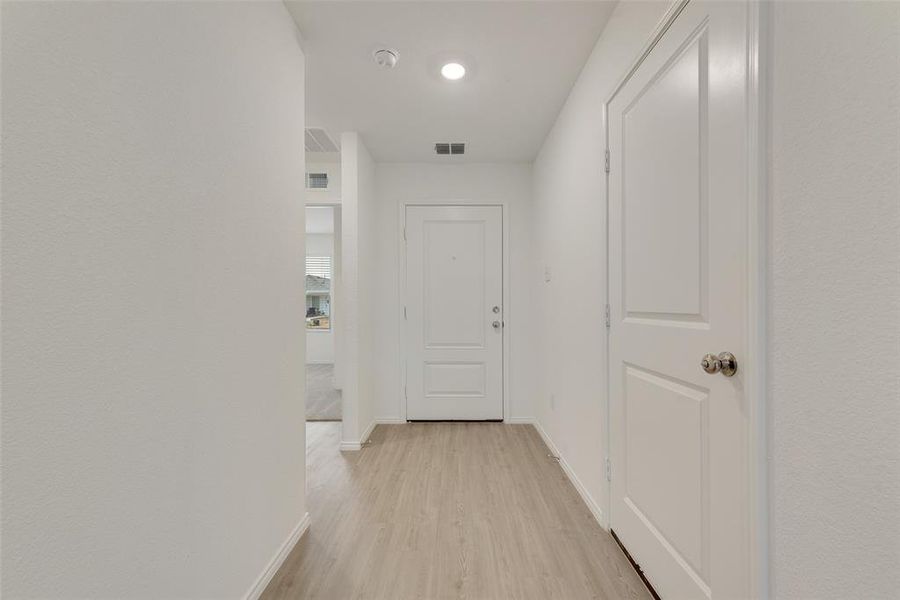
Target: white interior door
(678, 138)
(454, 312)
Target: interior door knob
(496, 324)
(725, 363)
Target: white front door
(678, 187)
(454, 312)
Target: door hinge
(404, 233)
(405, 394)
(404, 312)
(608, 469)
(607, 317)
(607, 161)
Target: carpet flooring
(323, 402)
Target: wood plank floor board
(448, 511)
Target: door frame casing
(506, 303)
(754, 363)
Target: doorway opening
(323, 393)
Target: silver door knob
(724, 363)
(496, 324)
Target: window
(318, 292)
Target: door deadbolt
(496, 310)
(725, 363)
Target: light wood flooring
(448, 510)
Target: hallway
(442, 299)
(448, 510)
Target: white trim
(259, 586)
(357, 446)
(320, 362)
(757, 320)
(507, 300)
(520, 421)
(664, 23)
(322, 202)
(579, 487)
(757, 239)
(391, 421)
(368, 432)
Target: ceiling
(522, 59)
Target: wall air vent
(317, 181)
(447, 148)
(318, 140)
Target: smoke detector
(386, 59)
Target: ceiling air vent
(318, 140)
(317, 181)
(450, 148)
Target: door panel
(665, 427)
(454, 283)
(677, 271)
(454, 279)
(663, 162)
(455, 379)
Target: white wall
(358, 311)
(369, 311)
(325, 163)
(398, 184)
(153, 427)
(320, 343)
(834, 359)
(569, 234)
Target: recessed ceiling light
(453, 71)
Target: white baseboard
(269, 572)
(399, 421)
(320, 362)
(356, 446)
(365, 436)
(520, 420)
(579, 487)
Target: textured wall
(570, 242)
(332, 167)
(153, 439)
(369, 310)
(358, 312)
(835, 300)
